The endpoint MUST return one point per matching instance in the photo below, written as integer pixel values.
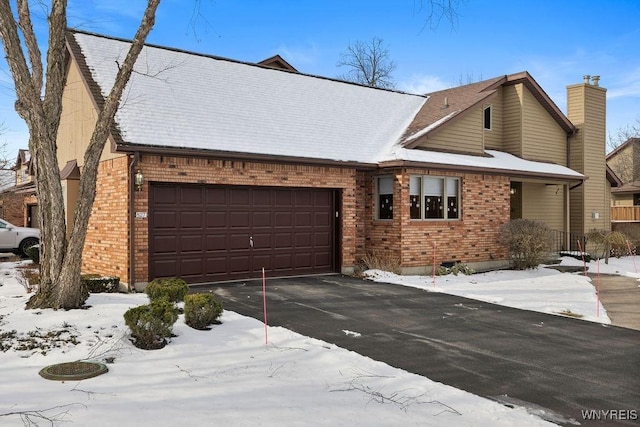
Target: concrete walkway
(620, 296)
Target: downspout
(132, 217)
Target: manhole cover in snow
(72, 371)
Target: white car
(17, 239)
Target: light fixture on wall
(139, 180)
(512, 191)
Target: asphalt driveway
(557, 365)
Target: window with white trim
(487, 118)
(433, 198)
(384, 192)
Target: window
(384, 189)
(487, 118)
(440, 197)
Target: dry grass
(29, 278)
(570, 313)
(376, 260)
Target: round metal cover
(73, 371)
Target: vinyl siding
(545, 203)
(542, 137)
(493, 138)
(465, 135)
(512, 119)
(596, 188)
(622, 163)
(587, 110)
(622, 200)
(77, 121)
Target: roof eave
(484, 170)
(542, 97)
(240, 156)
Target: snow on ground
(229, 376)
(542, 289)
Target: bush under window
(529, 242)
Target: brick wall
(383, 237)
(213, 171)
(12, 207)
(107, 243)
(473, 239)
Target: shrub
(603, 243)
(151, 324)
(96, 283)
(455, 269)
(33, 253)
(172, 289)
(201, 310)
(632, 231)
(529, 242)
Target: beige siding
(622, 200)
(622, 163)
(512, 119)
(545, 203)
(70, 195)
(576, 210)
(493, 138)
(590, 203)
(465, 135)
(77, 121)
(542, 137)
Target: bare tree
(437, 10)
(368, 64)
(39, 103)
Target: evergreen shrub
(172, 289)
(201, 310)
(151, 324)
(96, 283)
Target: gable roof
(177, 99)
(23, 159)
(277, 61)
(622, 146)
(181, 102)
(445, 107)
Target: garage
(209, 233)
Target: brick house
(18, 202)
(217, 168)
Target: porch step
(567, 268)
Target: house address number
(141, 215)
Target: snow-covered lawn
(543, 289)
(228, 376)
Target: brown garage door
(214, 233)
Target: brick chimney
(586, 109)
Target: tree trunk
(60, 259)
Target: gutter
(239, 156)
(132, 217)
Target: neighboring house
(18, 202)
(216, 169)
(624, 161)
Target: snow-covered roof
(179, 99)
(496, 161)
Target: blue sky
(556, 41)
